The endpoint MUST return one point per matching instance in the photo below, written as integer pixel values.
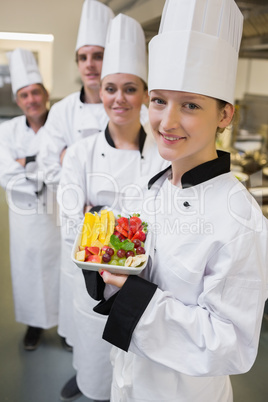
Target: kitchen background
(57, 21)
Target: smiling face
(89, 61)
(185, 125)
(32, 100)
(122, 96)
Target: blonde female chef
(194, 317)
(101, 171)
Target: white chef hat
(23, 69)
(196, 49)
(94, 21)
(125, 48)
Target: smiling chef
(193, 317)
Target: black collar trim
(82, 95)
(201, 173)
(142, 138)
(157, 176)
(28, 124)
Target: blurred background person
(34, 235)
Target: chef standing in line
(106, 168)
(194, 316)
(34, 234)
(71, 119)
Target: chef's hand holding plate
(117, 280)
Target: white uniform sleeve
(13, 177)
(220, 334)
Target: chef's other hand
(21, 161)
(87, 208)
(63, 152)
(113, 279)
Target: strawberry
(130, 234)
(123, 222)
(134, 223)
(119, 235)
(121, 230)
(140, 234)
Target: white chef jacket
(96, 173)
(194, 316)
(34, 234)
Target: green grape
(114, 262)
(122, 261)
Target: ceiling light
(26, 36)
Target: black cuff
(30, 159)
(104, 307)
(94, 284)
(127, 309)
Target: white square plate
(114, 269)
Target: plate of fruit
(118, 244)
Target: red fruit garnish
(130, 253)
(135, 223)
(123, 222)
(121, 230)
(110, 251)
(93, 258)
(139, 235)
(106, 258)
(120, 237)
(137, 243)
(93, 250)
(130, 233)
(140, 250)
(121, 253)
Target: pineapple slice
(95, 230)
(104, 225)
(98, 244)
(88, 225)
(110, 227)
